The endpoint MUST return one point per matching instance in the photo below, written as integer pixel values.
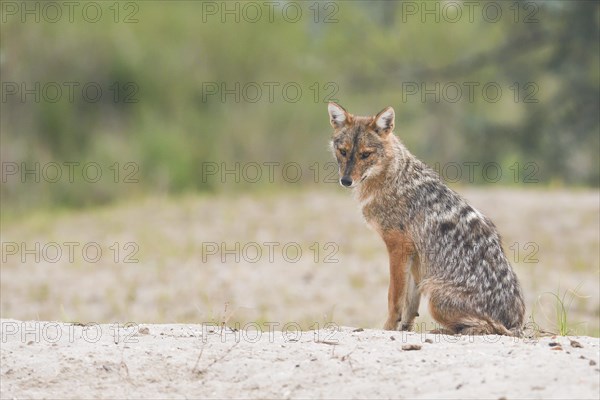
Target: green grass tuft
(561, 324)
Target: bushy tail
(476, 325)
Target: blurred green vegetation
(544, 56)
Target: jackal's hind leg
(463, 320)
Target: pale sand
(55, 360)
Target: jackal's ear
(338, 117)
(384, 121)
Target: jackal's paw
(405, 326)
(391, 325)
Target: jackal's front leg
(399, 249)
(412, 299)
(396, 294)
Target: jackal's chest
(374, 216)
(382, 215)
(373, 224)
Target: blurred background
(162, 126)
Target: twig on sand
(198, 359)
(216, 360)
(347, 357)
(329, 342)
(123, 367)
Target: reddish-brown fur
(400, 249)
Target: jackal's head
(359, 143)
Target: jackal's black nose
(346, 181)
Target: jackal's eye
(364, 155)
(343, 152)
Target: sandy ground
(55, 360)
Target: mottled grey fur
(453, 252)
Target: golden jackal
(438, 244)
